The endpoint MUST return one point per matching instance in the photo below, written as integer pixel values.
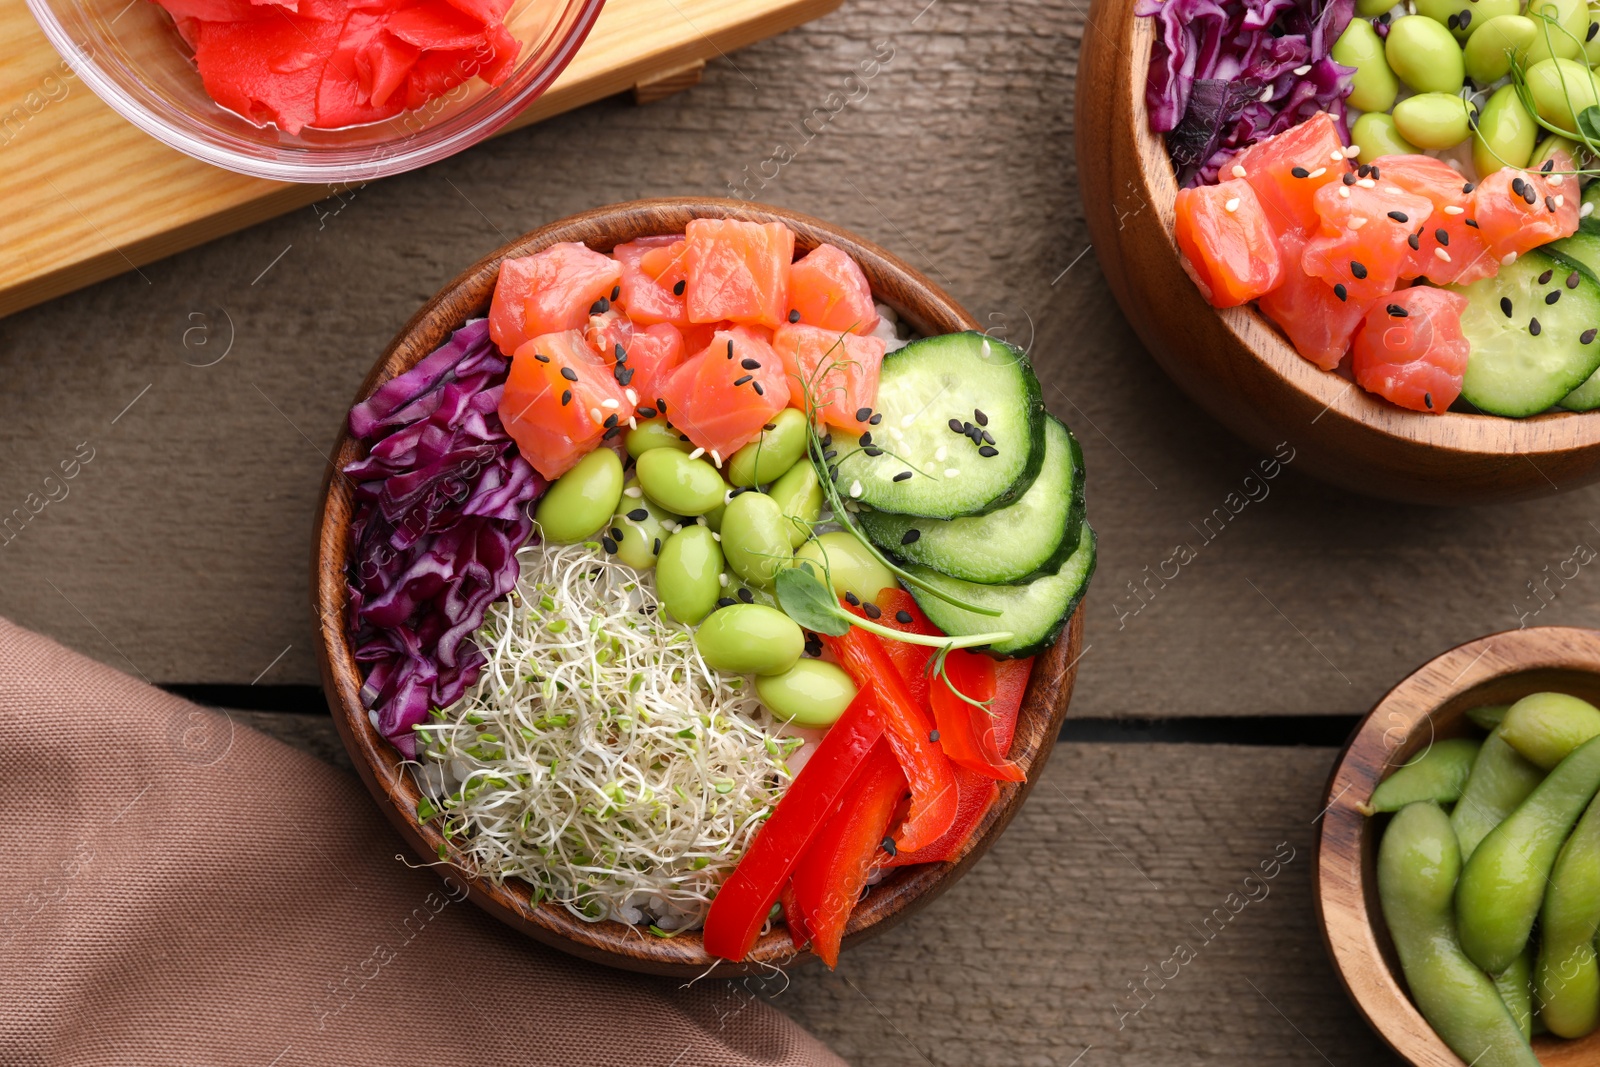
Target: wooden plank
(1122, 854)
(88, 195)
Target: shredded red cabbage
(1225, 74)
(441, 508)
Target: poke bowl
(1236, 362)
(1471, 744)
(604, 758)
(317, 90)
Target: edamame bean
(1371, 9)
(713, 518)
(1515, 984)
(1373, 86)
(1506, 132)
(578, 504)
(1561, 90)
(812, 693)
(1591, 39)
(1465, 17)
(1500, 780)
(1433, 120)
(1488, 716)
(1547, 727)
(638, 528)
(799, 496)
(773, 452)
(1425, 56)
(1418, 861)
(1550, 146)
(1376, 135)
(1565, 36)
(1502, 885)
(655, 433)
(1437, 774)
(848, 567)
(689, 574)
(682, 485)
(1487, 55)
(1568, 976)
(755, 538)
(750, 639)
(746, 593)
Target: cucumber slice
(922, 389)
(1591, 195)
(1584, 246)
(1034, 613)
(1014, 544)
(1511, 370)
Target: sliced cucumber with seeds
(1584, 246)
(928, 462)
(1018, 543)
(1527, 352)
(1034, 613)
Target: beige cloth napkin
(177, 889)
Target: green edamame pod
(1438, 775)
(1465, 17)
(1487, 55)
(1515, 984)
(654, 433)
(1373, 86)
(798, 495)
(1488, 716)
(689, 574)
(1561, 90)
(773, 451)
(750, 639)
(1561, 36)
(1425, 56)
(579, 503)
(682, 485)
(813, 692)
(639, 527)
(848, 567)
(1547, 727)
(1568, 975)
(1500, 780)
(1433, 120)
(755, 538)
(1418, 862)
(1503, 884)
(1506, 132)
(1376, 136)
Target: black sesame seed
(794, 314)
(600, 307)
(661, 405)
(1529, 195)
(750, 364)
(1358, 270)
(541, 357)
(1442, 236)
(903, 617)
(1467, 188)
(769, 426)
(1375, 174)
(743, 380)
(609, 545)
(980, 417)
(873, 450)
(1549, 165)
(874, 420)
(1505, 305)
(1464, 19)
(863, 414)
(1533, 327)
(566, 397)
(1552, 296)
(1427, 400)
(955, 426)
(1586, 337)
(747, 596)
(639, 514)
(609, 434)
(739, 491)
(1452, 22)
(616, 533)
(1399, 216)
(1518, 185)
(677, 290)
(988, 438)
(1414, 242)
(1593, 28)
(827, 440)
(851, 599)
(656, 548)
(1300, 172)
(621, 353)
(1397, 312)
(616, 292)
(760, 391)
(1544, 279)
(730, 348)
(1384, 18)
(888, 845)
(611, 420)
(910, 536)
(1550, 204)
(865, 439)
(1349, 178)
(1340, 291)
(1364, 170)
(1572, 280)
(988, 452)
(872, 610)
(833, 474)
(624, 375)
(726, 602)
(569, 374)
(830, 453)
(902, 476)
(1471, 222)
(648, 412)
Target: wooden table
(209, 385)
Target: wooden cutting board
(86, 195)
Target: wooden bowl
(1236, 364)
(929, 311)
(1430, 704)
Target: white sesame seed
(633, 397)
(939, 454)
(951, 472)
(855, 489)
(633, 423)
(1238, 171)
(697, 453)
(1231, 205)
(1351, 151)
(1366, 183)
(596, 413)
(908, 418)
(1357, 222)
(715, 536)
(1319, 172)
(1556, 179)
(1393, 191)
(1451, 209)
(1442, 254)
(1266, 95)
(1508, 259)
(609, 404)
(894, 432)
(668, 525)
(1560, 199)
(716, 457)
(1303, 71)
(1586, 210)
(1344, 191)
(1336, 155)
(727, 497)
(633, 492)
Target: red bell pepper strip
(745, 900)
(965, 731)
(829, 880)
(793, 918)
(908, 728)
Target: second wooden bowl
(920, 303)
(1236, 364)
(1430, 704)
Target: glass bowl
(129, 53)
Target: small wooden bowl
(1430, 704)
(929, 311)
(1237, 365)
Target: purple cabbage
(441, 508)
(1214, 62)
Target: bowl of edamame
(699, 587)
(1458, 854)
